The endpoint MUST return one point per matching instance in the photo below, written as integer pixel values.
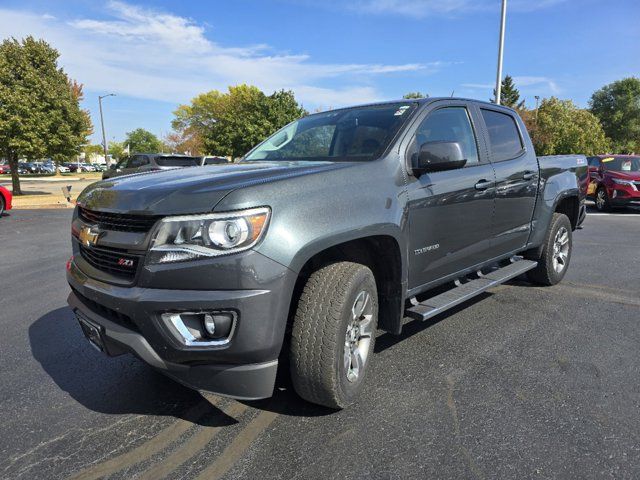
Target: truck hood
(193, 189)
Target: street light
(104, 137)
(500, 51)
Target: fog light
(201, 329)
(209, 325)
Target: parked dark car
(27, 167)
(614, 181)
(148, 162)
(340, 223)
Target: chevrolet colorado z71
(338, 224)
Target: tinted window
(593, 161)
(503, 135)
(449, 124)
(137, 161)
(178, 161)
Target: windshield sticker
(401, 110)
(608, 159)
(582, 161)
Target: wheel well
(382, 255)
(570, 206)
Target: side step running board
(438, 304)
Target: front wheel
(554, 258)
(1, 205)
(334, 333)
(602, 200)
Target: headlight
(628, 183)
(209, 235)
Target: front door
(450, 212)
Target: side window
(503, 135)
(449, 124)
(137, 161)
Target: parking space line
(191, 447)
(238, 447)
(147, 449)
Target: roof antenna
(452, 92)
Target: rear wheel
(554, 258)
(602, 200)
(334, 333)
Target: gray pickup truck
(339, 224)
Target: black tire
(547, 272)
(1, 205)
(603, 204)
(319, 344)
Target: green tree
(141, 140)
(116, 150)
(617, 106)
(509, 94)
(40, 115)
(562, 128)
(232, 123)
(411, 95)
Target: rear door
(517, 172)
(450, 212)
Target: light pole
(537, 97)
(104, 137)
(500, 52)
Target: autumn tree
(563, 128)
(230, 124)
(40, 115)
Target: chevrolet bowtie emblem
(89, 236)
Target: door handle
(528, 175)
(483, 184)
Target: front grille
(108, 313)
(111, 260)
(118, 221)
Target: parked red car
(614, 181)
(4, 168)
(5, 200)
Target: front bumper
(130, 320)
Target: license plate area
(93, 332)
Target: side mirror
(439, 156)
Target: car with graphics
(339, 224)
(150, 162)
(614, 181)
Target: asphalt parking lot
(523, 382)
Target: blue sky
(156, 55)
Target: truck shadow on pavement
(120, 385)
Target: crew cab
(614, 181)
(339, 224)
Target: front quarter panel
(312, 213)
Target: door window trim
(412, 131)
(523, 150)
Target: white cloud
(156, 55)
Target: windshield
(361, 133)
(622, 164)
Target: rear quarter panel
(561, 176)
